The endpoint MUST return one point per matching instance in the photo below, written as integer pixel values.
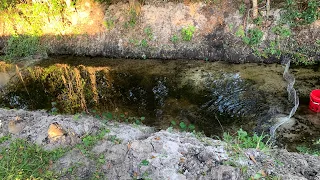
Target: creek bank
(165, 154)
(153, 30)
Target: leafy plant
(300, 13)
(281, 31)
(148, 32)
(23, 46)
(144, 43)
(187, 33)
(144, 162)
(109, 24)
(242, 8)
(254, 37)
(174, 38)
(258, 21)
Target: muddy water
(215, 97)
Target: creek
(212, 97)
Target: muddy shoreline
(168, 153)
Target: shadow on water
(215, 97)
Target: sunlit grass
(23, 160)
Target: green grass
(187, 33)
(23, 160)
(244, 141)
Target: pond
(213, 97)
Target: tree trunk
(254, 9)
(268, 8)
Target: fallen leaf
(157, 138)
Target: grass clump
(187, 33)
(244, 141)
(23, 160)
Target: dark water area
(214, 97)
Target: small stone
(55, 131)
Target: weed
(148, 32)
(144, 162)
(109, 24)
(254, 37)
(144, 43)
(23, 45)
(187, 33)
(298, 14)
(307, 150)
(89, 141)
(174, 38)
(23, 160)
(240, 32)
(242, 9)
(183, 126)
(258, 21)
(244, 140)
(133, 17)
(281, 31)
(4, 139)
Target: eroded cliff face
(169, 31)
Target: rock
(16, 126)
(55, 131)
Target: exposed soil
(111, 31)
(170, 154)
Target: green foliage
(307, 150)
(187, 33)
(148, 32)
(254, 37)
(23, 46)
(258, 21)
(4, 139)
(183, 126)
(244, 140)
(301, 13)
(240, 32)
(23, 160)
(5, 4)
(144, 162)
(133, 17)
(89, 141)
(242, 8)
(109, 24)
(174, 38)
(281, 31)
(144, 43)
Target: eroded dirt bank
(154, 30)
(132, 151)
